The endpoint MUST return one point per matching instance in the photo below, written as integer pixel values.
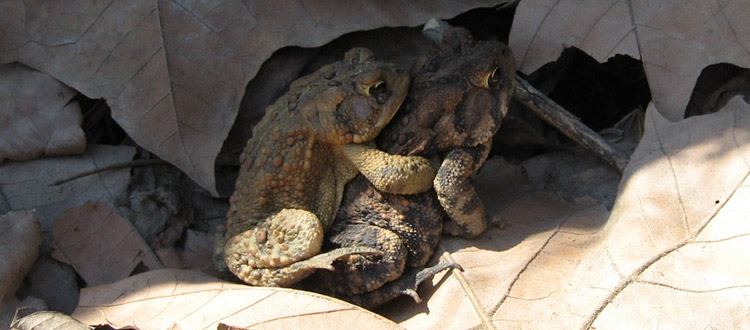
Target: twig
(478, 308)
(568, 124)
(115, 166)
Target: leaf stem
(115, 166)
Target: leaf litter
(559, 259)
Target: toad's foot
(407, 284)
(289, 236)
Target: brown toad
(311, 141)
(458, 97)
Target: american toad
(458, 97)
(311, 141)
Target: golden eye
(376, 89)
(493, 79)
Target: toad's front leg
(394, 174)
(456, 192)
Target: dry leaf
(47, 320)
(174, 73)
(28, 185)
(543, 28)
(36, 115)
(682, 207)
(671, 251)
(20, 238)
(191, 300)
(678, 40)
(492, 263)
(19, 248)
(101, 246)
(675, 40)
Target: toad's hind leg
(286, 237)
(289, 275)
(356, 274)
(407, 284)
(456, 192)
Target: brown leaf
(191, 300)
(48, 320)
(36, 115)
(669, 252)
(687, 207)
(494, 263)
(675, 40)
(101, 246)
(27, 185)
(542, 29)
(174, 73)
(19, 248)
(20, 238)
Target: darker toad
(458, 97)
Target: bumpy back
(458, 97)
(289, 161)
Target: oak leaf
(185, 299)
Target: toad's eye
(493, 79)
(377, 89)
